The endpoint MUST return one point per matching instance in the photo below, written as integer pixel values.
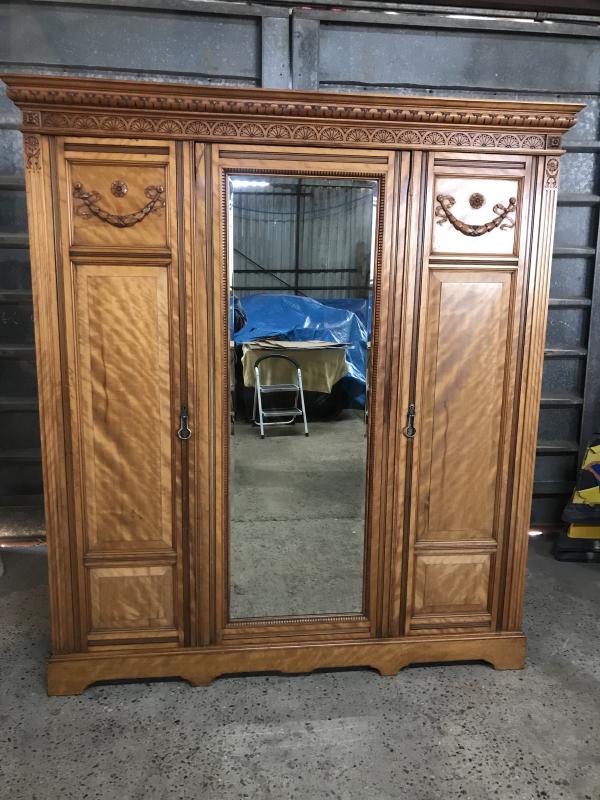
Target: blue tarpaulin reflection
(303, 319)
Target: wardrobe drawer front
(118, 197)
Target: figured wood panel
(448, 583)
(123, 338)
(140, 182)
(131, 598)
(465, 371)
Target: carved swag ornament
(89, 206)
(502, 220)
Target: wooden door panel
(391, 175)
(470, 295)
(466, 360)
(124, 387)
(121, 300)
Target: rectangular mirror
(301, 263)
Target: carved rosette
(119, 188)
(552, 168)
(32, 118)
(31, 145)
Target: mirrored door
(302, 278)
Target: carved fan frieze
(219, 129)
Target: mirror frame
(381, 167)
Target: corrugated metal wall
(400, 49)
(303, 237)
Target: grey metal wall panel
(275, 52)
(572, 277)
(305, 53)
(20, 430)
(11, 150)
(576, 226)
(568, 327)
(579, 172)
(417, 50)
(563, 377)
(202, 45)
(17, 379)
(15, 274)
(387, 56)
(556, 467)
(560, 424)
(319, 247)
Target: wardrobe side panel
(45, 272)
(121, 321)
(538, 289)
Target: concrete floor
(297, 522)
(430, 733)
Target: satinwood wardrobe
(139, 196)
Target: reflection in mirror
(301, 255)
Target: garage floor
(430, 733)
(297, 522)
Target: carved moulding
(221, 129)
(552, 169)
(31, 145)
(173, 99)
(124, 108)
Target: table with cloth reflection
(323, 364)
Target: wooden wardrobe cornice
(89, 106)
